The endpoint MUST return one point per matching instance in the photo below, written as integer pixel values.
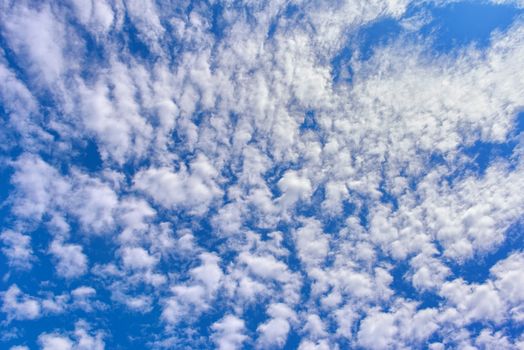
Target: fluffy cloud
(194, 191)
(261, 173)
(229, 333)
(190, 299)
(81, 339)
(19, 306)
(71, 261)
(17, 249)
(274, 332)
(38, 36)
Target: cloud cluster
(244, 175)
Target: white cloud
(37, 35)
(487, 340)
(19, 306)
(189, 300)
(474, 302)
(83, 297)
(311, 243)
(145, 17)
(17, 249)
(95, 15)
(19, 347)
(508, 276)
(377, 331)
(274, 332)
(237, 131)
(71, 262)
(94, 204)
(80, 339)
(137, 258)
(38, 186)
(194, 191)
(315, 327)
(108, 110)
(229, 333)
(403, 326)
(294, 187)
(310, 345)
(54, 342)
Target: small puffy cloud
(55, 342)
(87, 340)
(193, 190)
(192, 298)
(71, 262)
(402, 326)
(137, 258)
(429, 272)
(38, 187)
(229, 333)
(209, 272)
(314, 326)
(265, 267)
(311, 243)
(94, 205)
(141, 303)
(487, 339)
(37, 35)
(19, 306)
(294, 187)
(17, 249)
(475, 302)
(377, 331)
(274, 332)
(508, 276)
(97, 16)
(81, 339)
(82, 297)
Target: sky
(273, 174)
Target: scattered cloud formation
(266, 175)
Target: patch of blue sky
(477, 269)
(402, 286)
(87, 156)
(449, 28)
(467, 23)
(482, 154)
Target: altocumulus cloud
(261, 175)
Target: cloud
(19, 306)
(194, 190)
(55, 342)
(71, 261)
(243, 175)
(38, 37)
(311, 243)
(95, 15)
(229, 333)
(294, 188)
(19, 347)
(137, 258)
(17, 249)
(274, 332)
(38, 186)
(190, 299)
(80, 339)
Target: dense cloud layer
(274, 174)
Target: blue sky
(261, 175)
